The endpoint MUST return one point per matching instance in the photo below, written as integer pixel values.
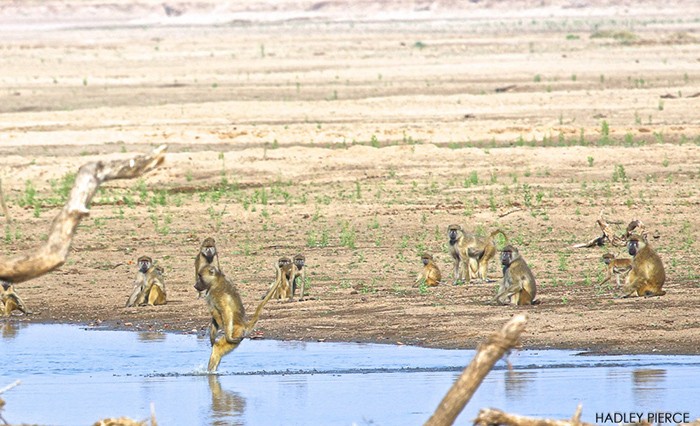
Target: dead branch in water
(491, 417)
(468, 382)
(38, 261)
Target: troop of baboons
(643, 275)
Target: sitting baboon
(518, 286)
(149, 288)
(647, 275)
(430, 273)
(11, 300)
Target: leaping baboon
(227, 312)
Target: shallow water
(86, 374)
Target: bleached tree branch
(52, 254)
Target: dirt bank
(357, 142)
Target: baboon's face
(453, 233)
(506, 258)
(299, 262)
(607, 259)
(209, 252)
(426, 260)
(206, 276)
(144, 265)
(633, 247)
(6, 286)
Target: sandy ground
(356, 136)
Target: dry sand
(355, 133)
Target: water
(72, 375)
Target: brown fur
(227, 312)
(615, 267)
(458, 249)
(11, 300)
(518, 286)
(282, 288)
(208, 255)
(430, 273)
(149, 288)
(298, 272)
(480, 252)
(647, 275)
(471, 253)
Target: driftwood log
(52, 254)
(491, 417)
(468, 382)
(609, 237)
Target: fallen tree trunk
(52, 254)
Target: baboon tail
(498, 231)
(254, 319)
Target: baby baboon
(430, 273)
(298, 271)
(615, 267)
(206, 256)
(149, 288)
(518, 286)
(11, 300)
(227, 312)
(647, 275)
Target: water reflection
(227, 408)
(264, 381)
(9, 329)
(517, 383)
(647, 384)
(151, 336)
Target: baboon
(227, 312)
(430, 273)
(480, 252)
(647, 275)
(518, 286)
(206, 256)
(298, 271)
(11, 300)
(282, 287)
(458, 250)
(471, 254)
(615, 267)
(155, 287)
(149, 288)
